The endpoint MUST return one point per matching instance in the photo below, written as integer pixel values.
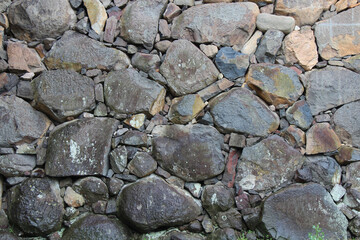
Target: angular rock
(172, 11)
(295, 136)
(205, 23)
(73, 199)
(142, 165)
(187, 69)
(126, 91)
(292, 212)
(63, 93)
(94, 227)
(164, 29)
(184, 109)
(135, 138)
(241, 111)
(300, 47)
(39, 19)
(347, 155)
(344, 4)
(4, 5)
(338, 36)
(269, 45)
(145, 62)
(337, 192)
(35, 206)
(267, 164)
(300, 115)
(110, 29)
(231, 63)
(324, 90)
(136, 121)
(353, 63)
(320, 138)
(139, 21)
(209, 50)
(230, 219)
(354, 227)
(15, 165)
(346, 123)
(251, 45)
(217, 198)
(20, 123)
(266, 21)
(80, 147)
(191, 152)
(76, 51)
(8, 81)
(151, 203)
(97, 14)
(93, 189)
(230, 170)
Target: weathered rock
(320, 138)
(230, 219)
(269, 46)
(337, 192)
(184, 109)
(292, 212)
(294, 136)
(347, 155)
(118, 159)
(35, 206)
(217, 198)
(164, 29)
(73, 199)
(145, 62)
(136, 121)
(126, 91)
(266, 21)
(76, 51)
(215, 88)
(354, 226)
(4, 5)
(80, 147)
(94, 227)
(241, 111)
(275, 84)
(267, 164)
(305, 12)
(251, 45)
(8, 81)
(353, 63)
(300, 47)
(97, 14)
(15, 165)
(142, 165)
(344, 4)
(231, 63)
(205, 23)
(5, 234)
(187, 69)
(324, 90)
(151, 203)
(172, 11)
(338, 36)
(191, 152)
(300, 115)
(139, 21)
(93, 189)
(39, 19)
(20, 123)
(63, 93)
(135, 138)
(209, 50)
(346, 127)
(110, 29)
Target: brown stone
(4, 22)
(347, 155)
(215, 88)
(344, 4)
(295, 136)
(110, 29)
(97, 14)
(230, 168)
(320, 138)
(171, 12)
(73, 199)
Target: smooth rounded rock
(266, 21)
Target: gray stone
(269, 45)
(268, 164)
(237, 140)
(24, 90)
(39, 19)
(266, 21)
(126, 91)
(187, 69)
(292, 212)
(139, 21)
(151, 203)
(63, 93)
(223, 23)
(75, 3)
(118, 159)
(325, 91)
(346, 123)
(241, 111)
(353, 63)
(134, 138)
(191, 152)
(142, 165)
(20, 123)
(300, 115)
(76, 51)
(231, 63)
(15, 165)
(35, 206)
(337, 192)
(217, 198)
(354, 227)
(80, 147)
(4, 5)
(94, 227)
(186, 108)
(8, 81)
(145, 62)
(83, 26)
(230, 219)
(352, 175)
(194, 188)
(93, 189)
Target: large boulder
(225, 24)
(35, 206)
(151, 203)
(80, 147)
(241, 111)
(191, 152)
(75, 51)
(291, 213)
(63, 93)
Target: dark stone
(230, 219)
(8, 81)
(217, 198)
(93, 189)
(300, 115)
(134, 138)
(231, 63)
(269, 46)
(142, 165)
(15, 165)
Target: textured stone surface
(292, 212)
(217, 198)
(63, 93)
(126, 91)
(347, 155)
(39, 19)
(191, 152)
(223, 23)
(352, 175)
(353, 63)
(266, 21)
(142, 165)
(145, 62)
(23, 59)
(68, 152)
(187, 69)
(93, 189)
(269, 45)
(15, 165)
(241, 111)
(300, 115)
(325, 91)
(72, 198)
(320, 138)
(118, 159)
(76, 51)
(151, 203)
(267, 164)
(184, 109)
(231, 63)
(97, 14)
(339, 35)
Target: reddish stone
(242, 201)
(110, 29)
(230, 169)
(171, 12)
(320, 138)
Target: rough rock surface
(184, 109)
(232, 63)
(353, 175)
(300, 115)
(16, 165)
(93, 189)
(97, 14)
(353, 63)
(217, 198)
(321, 138)
(269, 45)
(23, 59)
